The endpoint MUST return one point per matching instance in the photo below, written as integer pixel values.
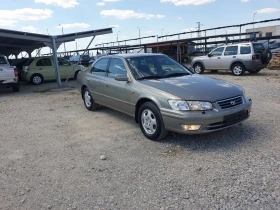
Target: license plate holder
(236, 117)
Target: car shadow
(238, 135)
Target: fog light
(191, 127)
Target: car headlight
(178, 105)
(200, 105)
(190, 105)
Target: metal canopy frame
(14, 42)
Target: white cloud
(111, 0)
(74, 25)
(60, 3)
(4, 22)
(11, 17)
(267, 10)
(188, 2)
(114, 26)
(100, 3)
(245, 0)
(127, 14)
(179, 18)
(30, 29)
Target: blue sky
(152, 17)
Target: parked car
(19, 63)
(40, 69)
(238, 58)
(8, 74)
(162, 95)
(80, 59)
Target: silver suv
(239, 57)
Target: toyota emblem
(232, 103)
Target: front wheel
(151, 122)
(198, 68)
(37, 79)
(238, 69)
(88, 100)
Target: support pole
(57, 73)
(240, 33)
(178, 51)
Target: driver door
(213, 61)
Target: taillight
(254, 57)
(16, 72)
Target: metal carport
(14, 42)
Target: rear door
(229, 55)
(95, 79)
(44, 66)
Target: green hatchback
(40, 69)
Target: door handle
(234, 56)
(106, 85)
(219, 57)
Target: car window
(116, 67)
(258, 48)
(218, 51)
(100, 67)
(62, 62)
(232, 50)
(28, 62)
(245, 50)
(3, 60)
(44, 62)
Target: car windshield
(155, 67)
(274, 45)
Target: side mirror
(209, 55)
(121, 77)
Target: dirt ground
(50, 148)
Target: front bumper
(209, 120)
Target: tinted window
(86, 57)
(116, 67)
(258, 48)
(218, 51)
(62, 62)
(100, 67)
(44, 62)
(245, 50)
(159, 66)
(3, 60)
(27, 63)
(232, 50)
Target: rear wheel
(88, 100)
(238, 69)
(198, 68)
(151, 122)
(37, 79)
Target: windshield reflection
(155, 67)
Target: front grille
(231, 102)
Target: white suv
(8, 74)
(238, 58)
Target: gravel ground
(50, 149)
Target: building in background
(266, 31)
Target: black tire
(238, 69)
(198, 68)
(159, 130)
(266, 56)
(254, 71)
(88, 100)
(16, 88)
(36, 79)
(76, 74)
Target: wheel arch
(200, 62)
(237, 62)
(139, 104)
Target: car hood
(196, 87)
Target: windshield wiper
(178, 74)
(150, 77)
